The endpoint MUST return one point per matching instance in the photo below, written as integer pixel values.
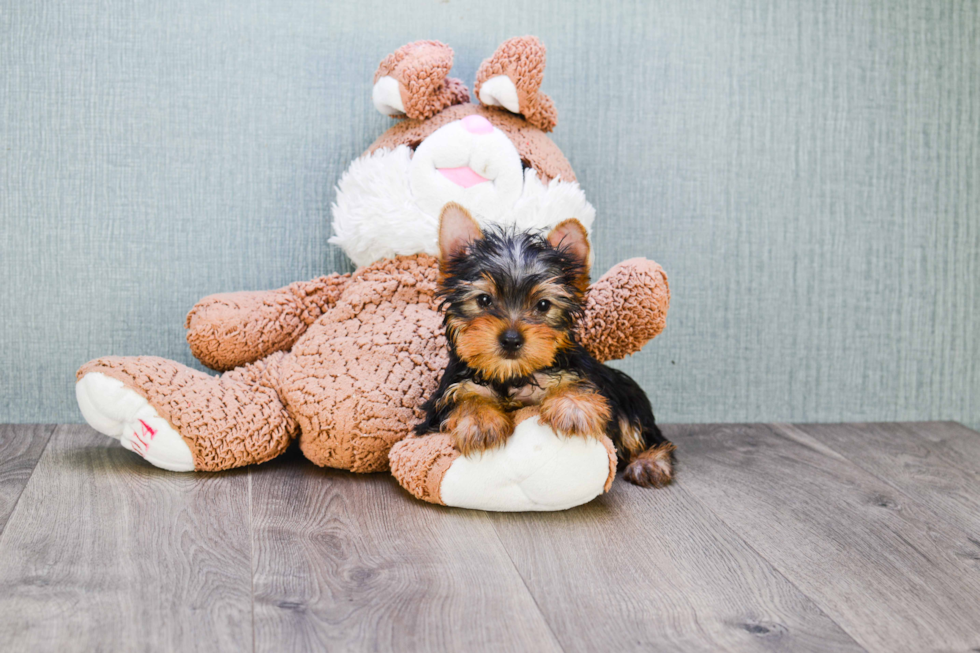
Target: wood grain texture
(20, 447)
(352, 562)
(653, 570)
(821, 537)
(935, 463)
(885, 568)
(106, 553)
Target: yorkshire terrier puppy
(511, 300)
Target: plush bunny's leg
(154, 406)
(115, 410)
(537, 469)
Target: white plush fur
(385, 208)
(387, 97)
(500, 91)
(119, 412)
(535, 470)
(375, 215)
(491, 155)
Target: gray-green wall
(808, 173)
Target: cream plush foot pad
(120, 412)
(537, 470)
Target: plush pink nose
(477, 125)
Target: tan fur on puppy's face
(478, 345)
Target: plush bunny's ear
(412, 81)
(511, 79)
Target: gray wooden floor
(775, 537)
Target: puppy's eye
(484, 300)
(543, 306)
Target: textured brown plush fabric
(624, 309)
(420, 68)
(522, 59)
(613, 463)
(354, 381)
(420, 462)
(228, 421)
(532, 144)
(232, 329)
(358, 377)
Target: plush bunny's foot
(120, 412)
(536, 469)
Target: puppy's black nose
(511, 340)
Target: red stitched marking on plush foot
(148, 429)
(147, 432)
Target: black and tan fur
(511, 300)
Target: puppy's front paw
(652, 468)
(478, 426)
(577, 412)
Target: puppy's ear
(457, 229)
(570, 237)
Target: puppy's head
(511, 298)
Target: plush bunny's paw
(536, 470)
(115, 410)
(624, 309)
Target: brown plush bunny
(344, 362)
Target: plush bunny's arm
(624, 309)
(232, 329)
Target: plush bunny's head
(493, 158)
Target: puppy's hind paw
(652, 468)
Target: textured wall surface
(808, 173)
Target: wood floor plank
(20, 447)
(348, 562)
(653, 570)
(935, 463)
(106, 553)
(888, 570)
